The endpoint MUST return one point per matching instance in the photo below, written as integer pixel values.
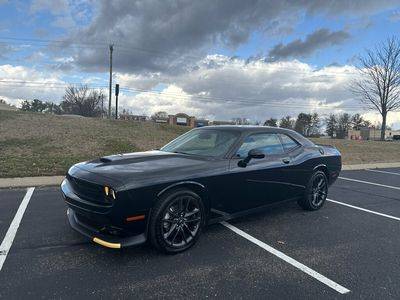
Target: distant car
(206, 175)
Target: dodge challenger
(206, 175)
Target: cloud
(395, 16)
(18, 83)
(167, 36)
(222, 88)
(319, 39)
(218, 87)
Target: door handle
(286, 160)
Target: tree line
(310, 125)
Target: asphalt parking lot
(349, 248)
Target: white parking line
(12, 230)
(337, 287)
(385, 172)
(371, 183)
(364, 209)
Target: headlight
(109, 192)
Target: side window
(288, 142)
(268, 143)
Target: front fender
(195, 186)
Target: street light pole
(110, 86)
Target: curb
(371, 166)
(30, 181)
(56, 180)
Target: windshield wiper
(180, 152)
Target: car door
(259, 183)
(294, 174)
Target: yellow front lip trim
(107, 244)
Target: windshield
(206, 142)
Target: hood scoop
(113, 158)
(105, 160)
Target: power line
(218, 100)
(231, 99)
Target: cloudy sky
(214, 59)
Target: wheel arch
(323, 168)
(194, 186)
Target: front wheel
(176, 221)
(316, 192)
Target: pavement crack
(49, 247)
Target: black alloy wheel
(181, 221)
(177, 221)
(316, 192)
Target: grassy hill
(364, 152)
(6, 106)
(34, 144)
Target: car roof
(245, 128)
(252, 128)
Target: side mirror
(253, 153)
(256, 153)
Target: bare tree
(82, 101)
(379, 83)
(159, 115)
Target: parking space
(355, 249)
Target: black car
(206, 175)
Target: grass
(33, 144)
(364, 152)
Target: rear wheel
(316, 192)
(176, 221)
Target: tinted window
(288, 142)
(268, 143)
(205, 142)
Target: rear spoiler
(323, 145)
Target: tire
(315, 193)
(176, 221)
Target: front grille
(87, 190)
(99, 226)
(94, 224)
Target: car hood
(145, 167)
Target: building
(182, 119)
(201, 122)
(139, 118)
(372, 134)
(222, 123)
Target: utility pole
(102, 105)
(110, 86)
(116, 100)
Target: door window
(268, 143)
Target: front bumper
(104, 224)
(106, 240)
